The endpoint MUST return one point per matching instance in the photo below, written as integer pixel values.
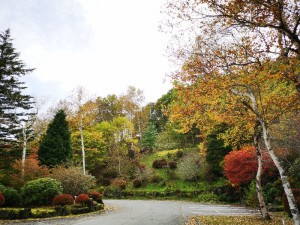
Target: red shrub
(96, 195)
(63, 199)
(120, 183)
(2, 199)
(82, 198)
(241, 166)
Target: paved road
(139, 212)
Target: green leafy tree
(149, 138)
(55, 146)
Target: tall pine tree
(55, 146)
(14, 105)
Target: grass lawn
(277, 219)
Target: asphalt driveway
(143, 212)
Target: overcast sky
(102, 45)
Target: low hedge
(12, 214)
(79, 210)
(25, 213)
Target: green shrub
(250, 196)
(294, 173)
(207, 197)
(270, 193)
(63, 199)
(40, 191)
(12, 197)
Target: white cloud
(104, 46)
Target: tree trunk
(265, 132)
(283, 176)
(262, 204)
(82, 146)
(24, 152)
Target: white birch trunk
(262, 204)
(285, 183)
(265, 133)
(24, 152)
(82, 145)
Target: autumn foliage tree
(241, 165)
(32, 170)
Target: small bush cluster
(119, 183)
(2, 199)
(63, 199)
(12, 197)
(97, 196)
(159, 163)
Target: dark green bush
(159, 163)
(137, 183)
(12, 197)
(12, 214)
(40, 191)
(79, 210)
(179, 154)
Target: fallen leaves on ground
(277, 219)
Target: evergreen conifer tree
(55, 146)
(14, 105)
(149, 138)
